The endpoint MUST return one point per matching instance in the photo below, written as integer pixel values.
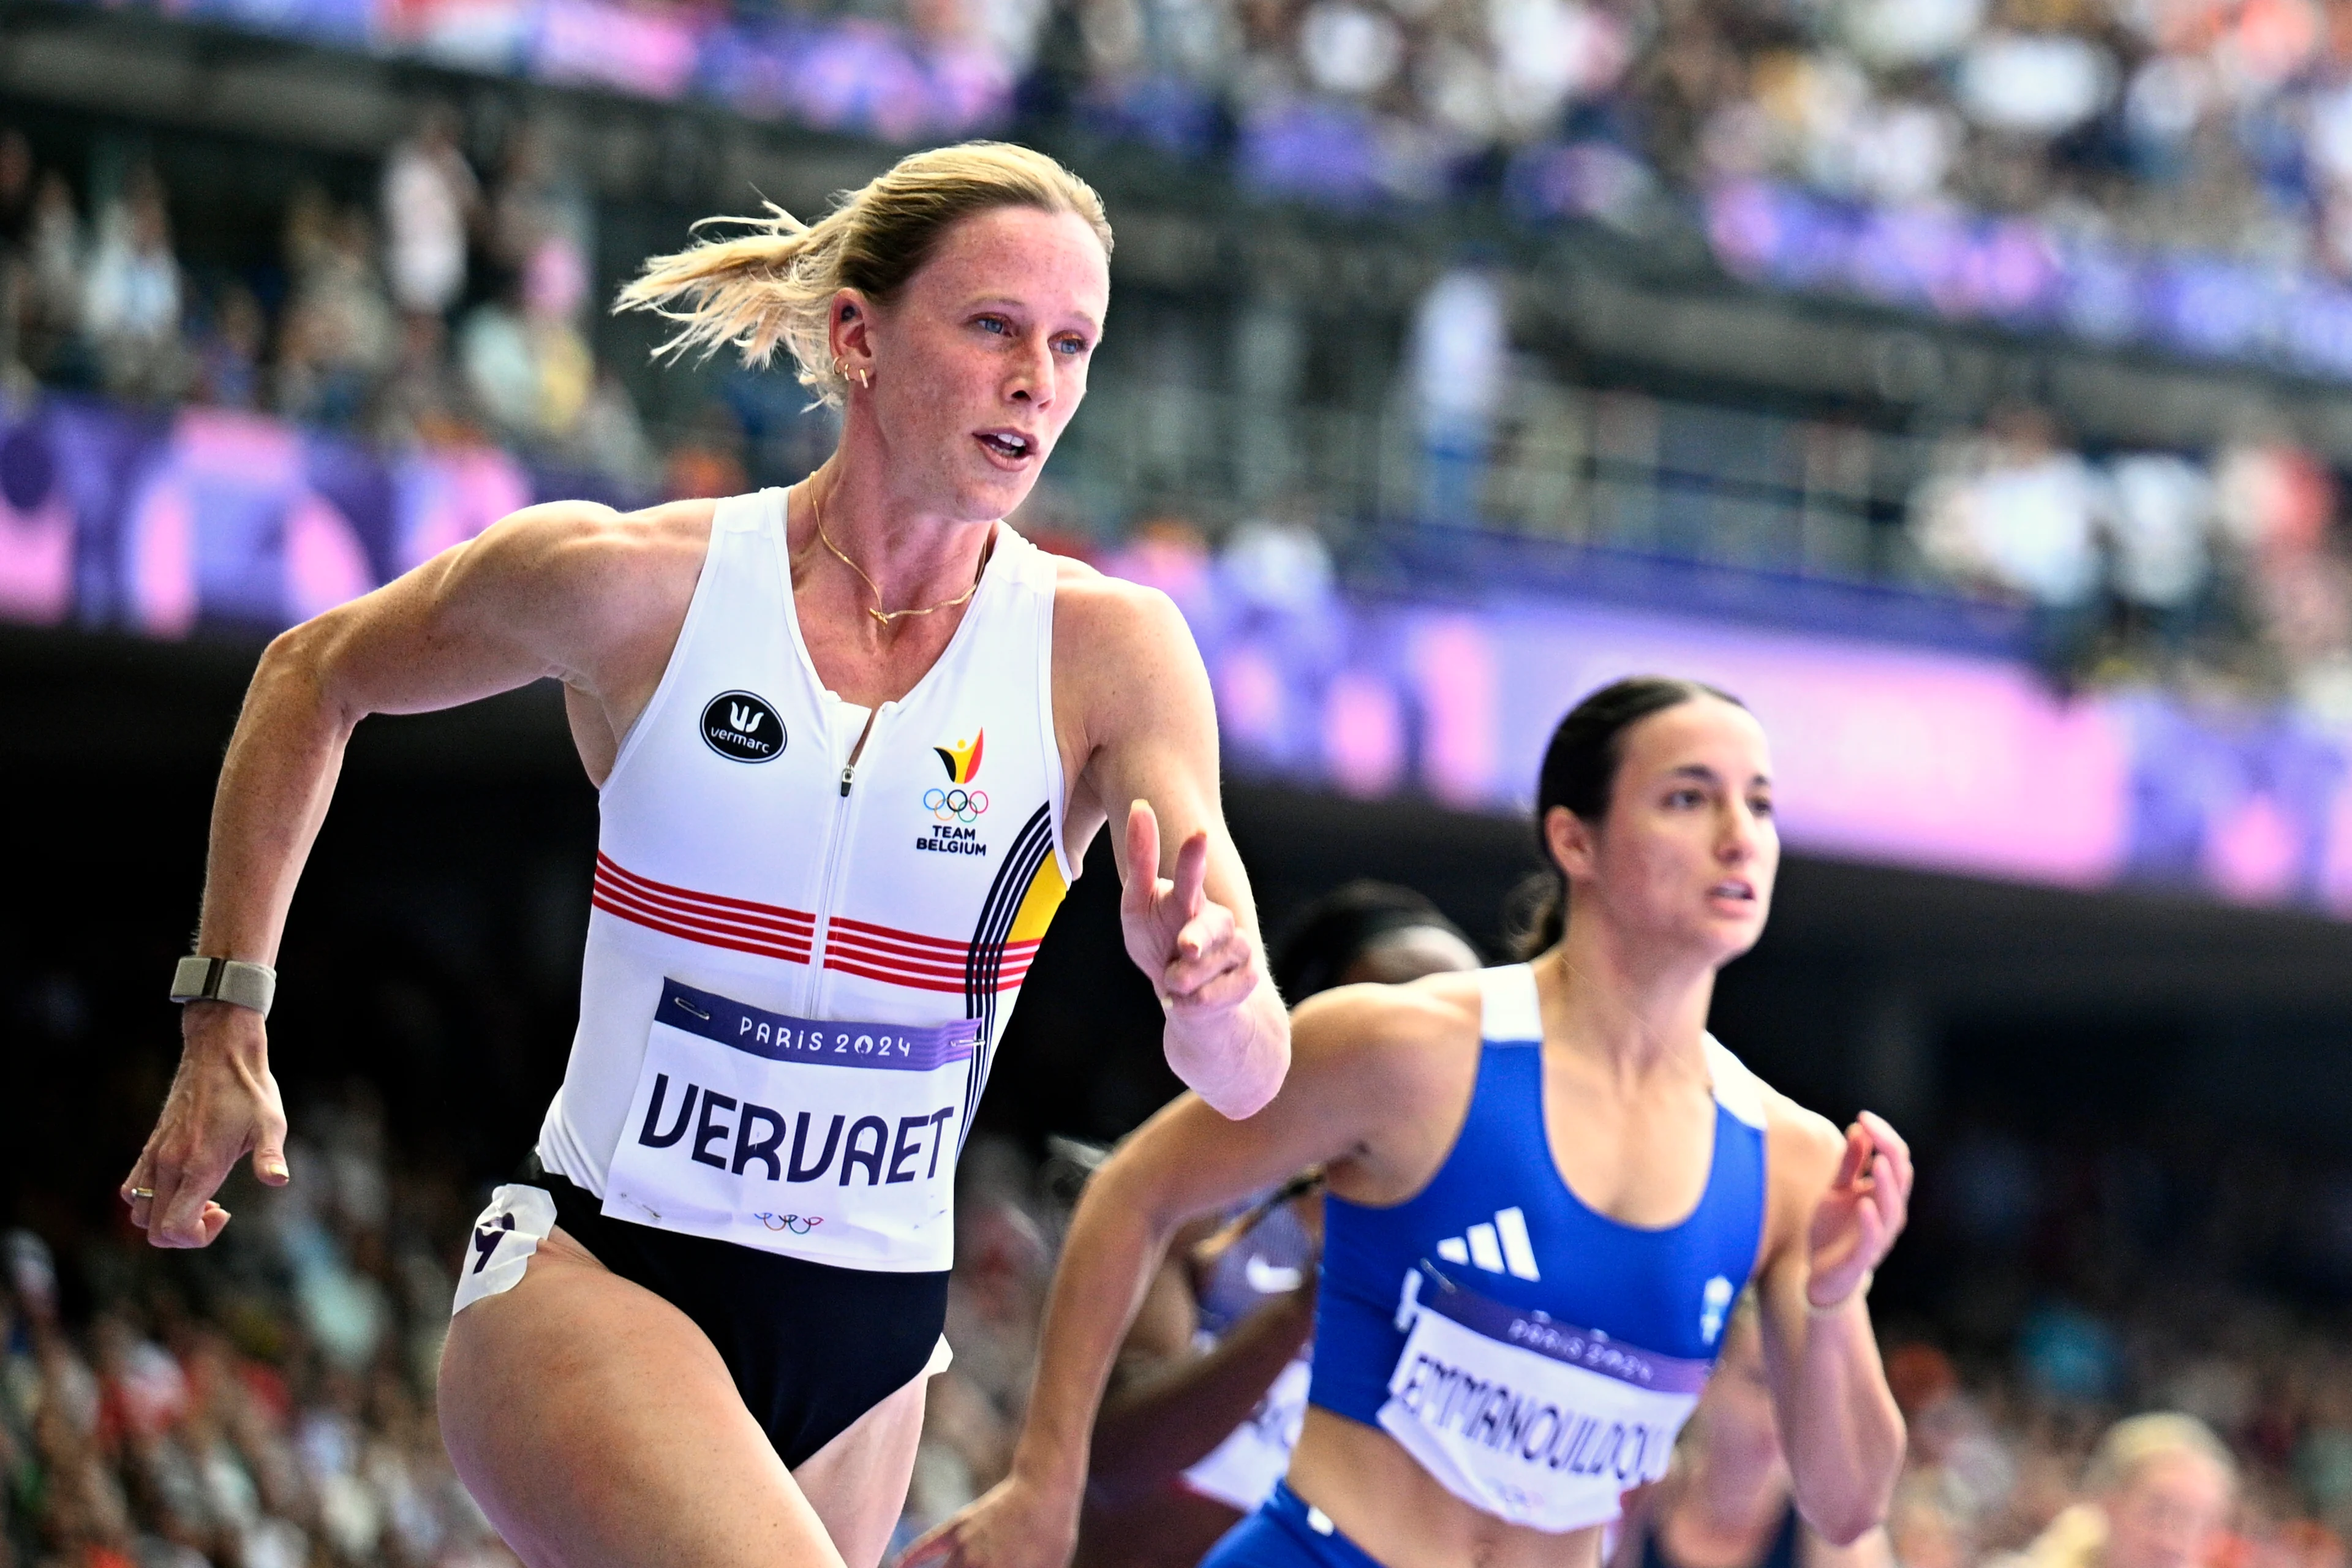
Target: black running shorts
(811, 1346)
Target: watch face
(743, 728)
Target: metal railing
(1620, 470)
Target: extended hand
(1857, 1220)
(223, 1103)
(1011, 1525)
(1190, 946)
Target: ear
(1571, 842)
(849, 330)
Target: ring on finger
(142, 1191)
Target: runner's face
(2170, 1515)
(1688, 852)
(980, 360)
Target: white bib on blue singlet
(1537, 1422)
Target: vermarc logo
(742, 728)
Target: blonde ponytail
(772, 283)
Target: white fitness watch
(202, 979)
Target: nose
(1736, 843)
(1031, 383)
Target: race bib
(1533, 1420)
(821, 1138)
(1241, 1471)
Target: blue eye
(1074, 347)
(996, 324)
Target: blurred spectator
(131, 296)
(422, 401)
(1279, 564)
(2162, 525)
(529, 368)
(538, 202)
(611, 440)
(2160, 1488)
(52, 298)
(2277, 506)
(1460, 360)
(430, 199)
(228, 353)
(2017, 514)
(340, 335)
(708, 461)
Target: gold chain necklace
(881, 615)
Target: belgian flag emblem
(962, 759)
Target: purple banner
(822, 1042)
(1945, 761)
(166, 525)
(1564, 1342)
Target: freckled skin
(957, 351)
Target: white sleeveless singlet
(796, 969)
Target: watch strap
(202, 979)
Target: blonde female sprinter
(852, 740)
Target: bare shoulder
(587, 579)
(1803, 1144)
(589, 538)
(1106, 616)
(1399, 1062)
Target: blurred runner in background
(1727, 1502)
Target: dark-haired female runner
(1207, 1398)
(1547, 1186)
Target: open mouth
(1011, 446)
(1738, 892)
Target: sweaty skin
(1672, 884)
(642, 1451)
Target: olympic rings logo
(956, 804)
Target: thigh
(598, 1428)
(857, 1482)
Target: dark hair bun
(1323, 941)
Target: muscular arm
(1188, 1159)
(559, 589)
(1166, 1412)
(1125, 664)
(1840, 1203)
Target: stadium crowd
(449, 311)
(268, 1404)
(456, 310)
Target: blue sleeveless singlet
(1581, 1342)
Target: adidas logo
(1500, 1247)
